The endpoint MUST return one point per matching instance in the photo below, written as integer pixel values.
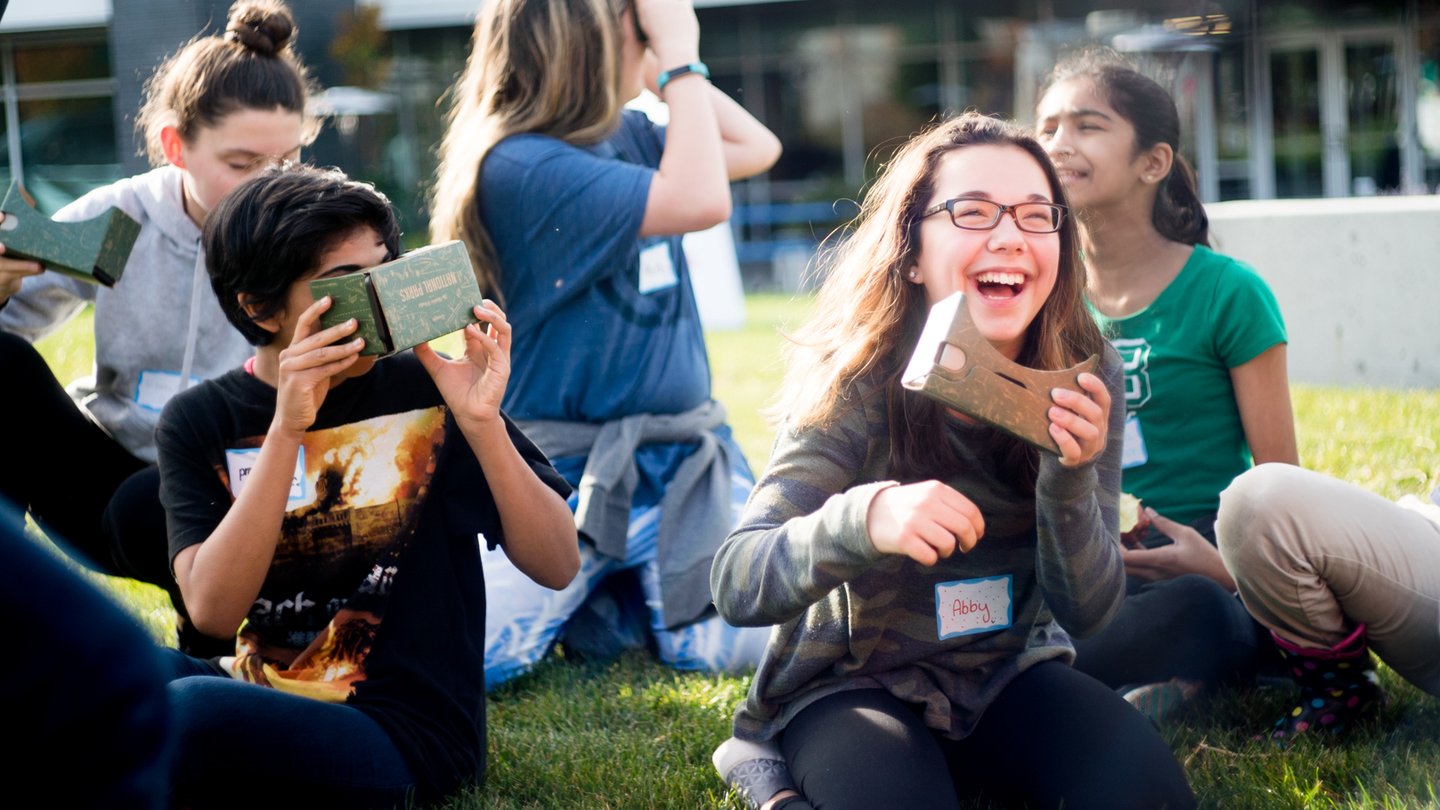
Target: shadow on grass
(1390, 761)
(636, 734)
(633, 734)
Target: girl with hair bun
(1206, 389)
(220, 109)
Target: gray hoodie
(157, 331)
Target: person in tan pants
(1334, 571)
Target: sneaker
(1159, 701)
(756, 770)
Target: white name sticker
(1132, 453)
(657, 268)
(240, 463)
(968, 606)
(157, 387)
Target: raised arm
(539, 528)
(691, 189)
(750, 148)
(1077, 522)
(221, 576)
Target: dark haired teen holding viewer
(327, 510)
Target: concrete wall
(1358, 280)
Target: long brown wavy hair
(551, 67)
(867, 316)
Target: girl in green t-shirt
(1207, 394)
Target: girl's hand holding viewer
(1079, 423)
(929, 521)
(307, 366)
(474, 385)
(14, 271)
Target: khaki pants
(1313, 557)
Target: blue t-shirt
(605, 322)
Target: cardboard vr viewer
(93, 250)
(425, 294)
(955, 365)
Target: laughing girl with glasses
(926, 572)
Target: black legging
(1188, 627)
(1052, 737)
(78, 483)
(59, 465)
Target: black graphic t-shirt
(375, 595)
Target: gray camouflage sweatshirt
(158, 326)
(947, 638)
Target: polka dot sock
(1338, 686)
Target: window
(59, 116)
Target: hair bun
(262, 27)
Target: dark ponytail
(249, 67)
(1178, 215)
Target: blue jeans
(524, 619)
(238, 744)
(83, 686)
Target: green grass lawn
(637, 735)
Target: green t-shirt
(1217, 314)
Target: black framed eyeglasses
(980, 214)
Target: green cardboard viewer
(427, 293)
(93, 250)
(954, 364)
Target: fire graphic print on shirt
(360, 490)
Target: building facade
(1279, 99)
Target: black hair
(273, 230)
(1178, 214)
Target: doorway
(1337, 115)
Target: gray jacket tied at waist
(695, 512)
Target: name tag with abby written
(240, 463)
(967, 606)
